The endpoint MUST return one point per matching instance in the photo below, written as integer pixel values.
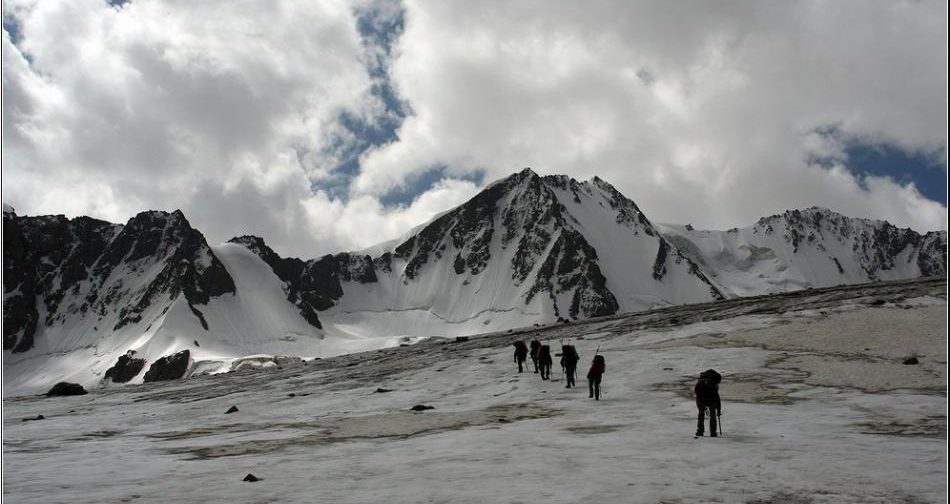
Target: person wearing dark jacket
(569, 358)
(545, 361)
(597, 369)
(521, 354)
(535, 353)
(707, 400)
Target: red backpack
(599, 366)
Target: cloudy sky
(332, 125)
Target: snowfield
(817, 408)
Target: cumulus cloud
(241, 113)
(700, 112)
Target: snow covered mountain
(527, 249)
(815, 247)
(80, 294)
(95, 303)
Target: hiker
(535, 353)
(545, 361)
(569, 359)
(521, 354)
(707, 400)
(597, 368)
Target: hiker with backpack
(707, 400)
(535, 353)
(569, 359)
(545, 361)
(521, 354)
(597, 368)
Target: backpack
(535, 348)
(520, 346)
(599, 365)
(569, 355)
(711, 376)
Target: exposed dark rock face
(169, 367)
(875, 245)
(525, 212)
(66, 389)
(125, 368)
(659, 265)
(232, 409)
(572, 265)
(92, 268)
(314, 285)
(932, 254)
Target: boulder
(250, 477)
(66, 389)
(126, 368)
(911, 361)
(421, 407)
(169, 367)
(232, 409)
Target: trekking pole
(719, 417)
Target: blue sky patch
(421, 182)
(11, 25)
(926, 170)
(380, 25)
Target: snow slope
(324, 433)
(526, 251)
(809, 248)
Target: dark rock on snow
(170, 367)
(37, 417)
(911, 361)
(422, 407)
(382, 390)
(125, 368)
(66, 266)
(250, 477)
(232, 409)
(66, 389)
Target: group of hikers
(706, 389)
(541, 358)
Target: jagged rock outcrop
(170, 367)
(312, 285)
(85, 267)
(126, 367)
(814, 247)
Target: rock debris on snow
(66, 389)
